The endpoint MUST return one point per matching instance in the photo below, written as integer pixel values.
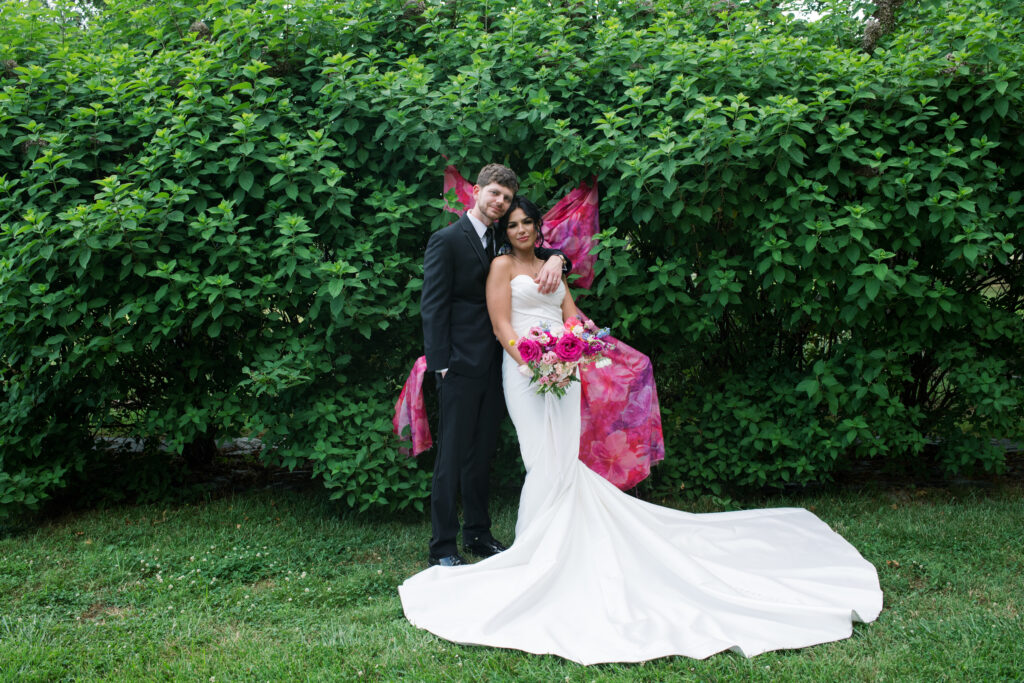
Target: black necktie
(489, 241)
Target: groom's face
(492, 200)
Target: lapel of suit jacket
(474, 240)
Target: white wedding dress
(596, 575)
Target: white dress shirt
(481, 229)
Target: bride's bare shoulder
(502, 264)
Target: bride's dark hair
(532, 211)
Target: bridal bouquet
(552, 355)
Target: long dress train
(596, 575)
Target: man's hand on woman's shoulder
(550, 275)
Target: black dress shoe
(446, 561)
(484, 547)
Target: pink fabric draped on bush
(411, 413)
(621, 436)
(621, 430)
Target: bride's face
(521, 230)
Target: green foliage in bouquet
(212, 218)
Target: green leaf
(1002, 106)
(245, 179)
(810, 386)
(871, 288)
(782, 165)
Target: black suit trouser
(470, 410)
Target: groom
(466, 361)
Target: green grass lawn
(278, 586)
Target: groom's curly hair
(496, 173)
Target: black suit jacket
(457, 332)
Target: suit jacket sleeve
(435, 302)
(544, 254)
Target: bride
(596, 575)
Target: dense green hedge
(212, 219)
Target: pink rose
(550, 358)
(538, 335)
(528, 349)
(570, 347)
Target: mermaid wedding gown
(596, 575)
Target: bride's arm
(568, 305)
(499, 304)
